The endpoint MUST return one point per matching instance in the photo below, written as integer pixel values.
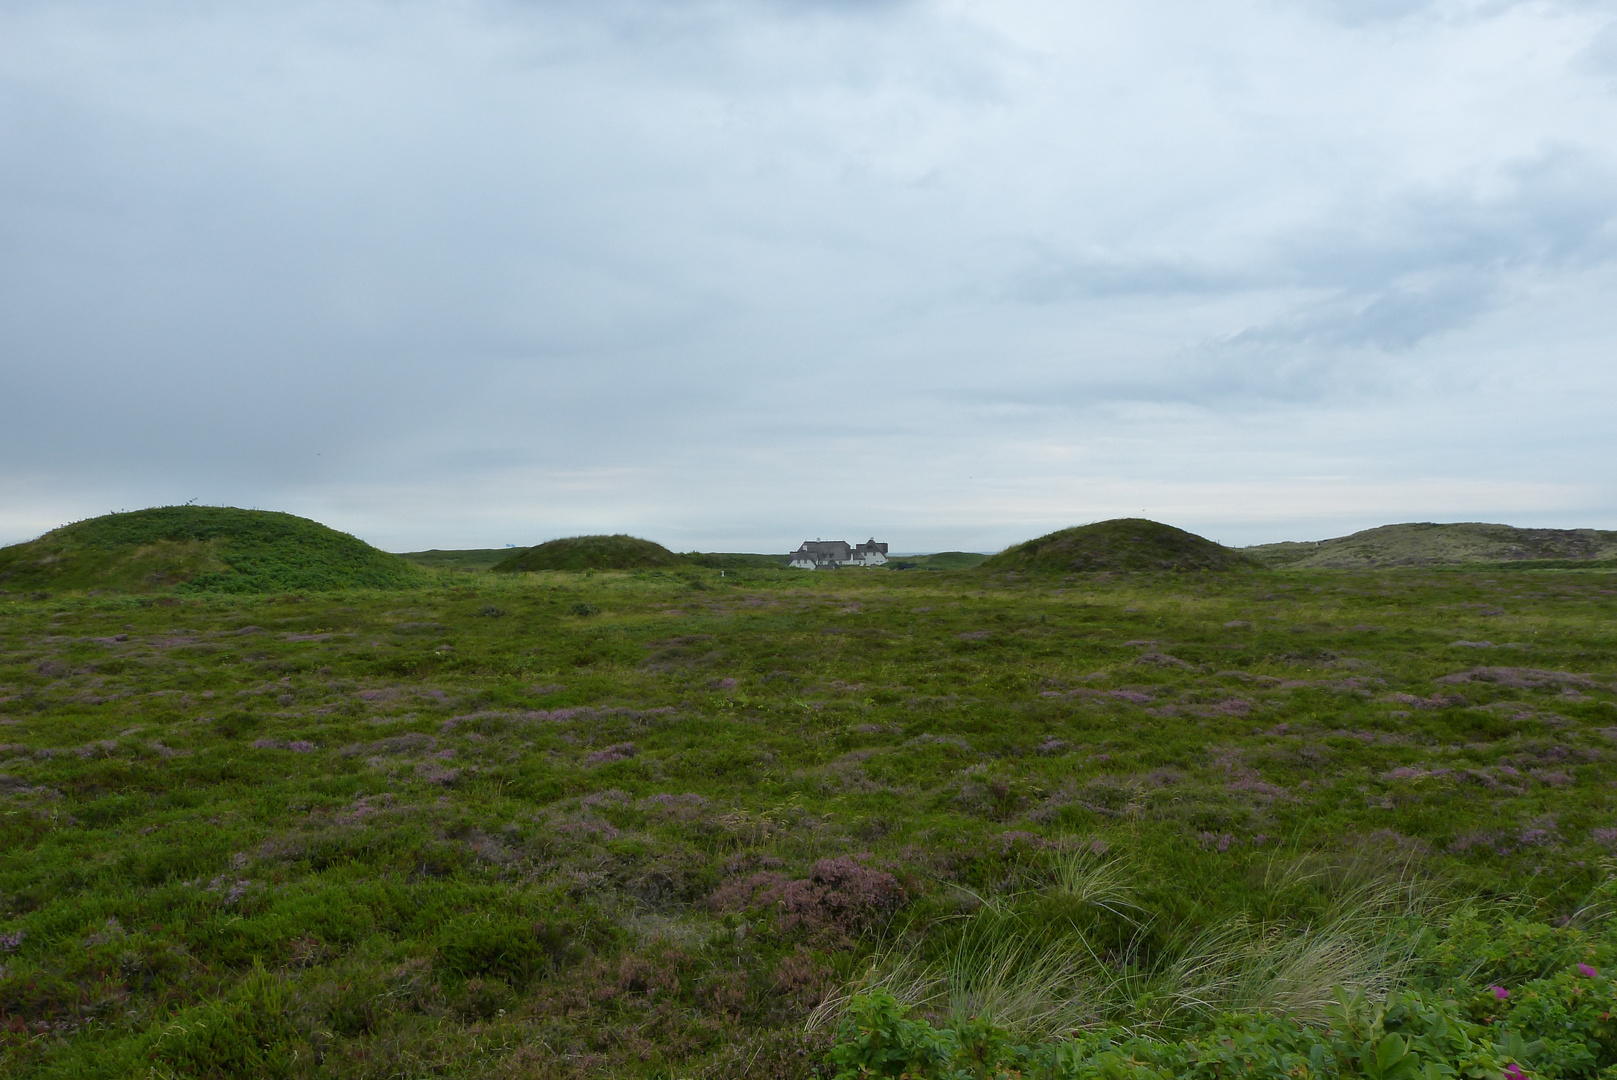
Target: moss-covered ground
(641, 824)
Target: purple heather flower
(1500, 992)
(1587, 971)
(1514, 1072)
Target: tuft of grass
(1008, 965)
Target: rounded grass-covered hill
(1120, 544)
(617, 552)
(202, 549)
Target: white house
(830, 554)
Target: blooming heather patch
(576, 713)
(840, 895)
(409, 743)
(616, 752)
(434, 773)
(1521, 678)
(1164, 660)
(297, 746)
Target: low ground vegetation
(668, 823)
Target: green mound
(590, 553)
(1430, 544)
(199, 548)
(1120, 544)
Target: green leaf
(1390, 1053)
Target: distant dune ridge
(1430, 544)
(1121, 544)
(213, 548)
(939, 560)
(226, 549)
(617, 552)
(459, 559)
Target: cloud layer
(728, 274)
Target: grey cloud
(1426, 264)
(267, 252)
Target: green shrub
(494, 947)
(248, 1033)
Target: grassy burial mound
(617, 552)
(200, 548)
(1120, 544)
(1429, 544)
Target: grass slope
(645, 825)
(199, 548)
(617, 552)
(1429, 544)
(1120, 544)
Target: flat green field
(664, 824)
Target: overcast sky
(730, 275)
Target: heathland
(668, 823)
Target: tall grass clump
(1080, 951)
